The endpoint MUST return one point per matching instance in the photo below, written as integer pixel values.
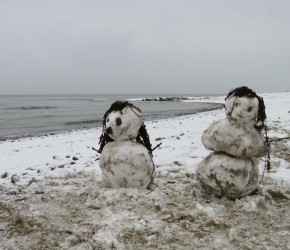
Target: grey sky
(152, 46)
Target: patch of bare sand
(78, 212)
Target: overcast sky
(152, 46)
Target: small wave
(42, 116)
(33, 108)
(92, 100)
(76, 123)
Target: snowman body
(229, 137)
(126, 163)
(230, 170)
(225, 175)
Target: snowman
(230, 170)
(126, 153)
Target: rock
(224, 175)
(12, 192)
(39, 192)
(231, 138)
(75, 158)
(15, 178)
(4, 175)
(127, 164)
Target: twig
(156, 146)
(280, 139)
(95, 149)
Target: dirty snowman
(231, 170)
(126, 153)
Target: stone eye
(236, 104)
(118, 121)
(108, 119)
(250, 109)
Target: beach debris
(125, 148)
(15, 178)
(32, 180)
(230, 170)
(95, 149)
(4, 175)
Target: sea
(34, 115)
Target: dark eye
(250, 109)
(118, 121)
(236, 104)
(108, 119)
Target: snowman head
(245, 107)
(123, 121)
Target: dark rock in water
(167, 99)
(4, 175)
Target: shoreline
(148, 118)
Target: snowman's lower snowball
(127, 164)
(224, 175)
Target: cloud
(143, 46)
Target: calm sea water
(22, 116)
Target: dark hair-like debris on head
(246, 92)
(142, 136)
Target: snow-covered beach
(53, 197)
